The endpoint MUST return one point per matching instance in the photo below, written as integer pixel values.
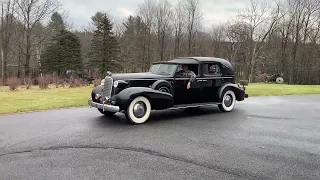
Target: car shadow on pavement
(191, 113)
(162, 116)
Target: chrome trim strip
(197, 78)
(190, 106)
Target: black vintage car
(136, 94)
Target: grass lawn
(24, 100)
(262, 89)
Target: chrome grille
(107, 87)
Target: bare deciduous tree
(31, 13)
(146, 12)
(163, 17)
(268, 37)
(262, 20)
(179, 21)
(8, 9)
(192, 8)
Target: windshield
(163, 69)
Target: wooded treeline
(267, 37)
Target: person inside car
(185, 72)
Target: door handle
(202, 80)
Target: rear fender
(158, 100)
(240, 93)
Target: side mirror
(244, 82)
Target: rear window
(211, 69)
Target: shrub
(96, 82)
(13, 83)
(75, 82)
(27, 81)
(261, 78)
(58, 81)
(44, 82)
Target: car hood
(146, 75)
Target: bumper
(105, 107)
(242, 96)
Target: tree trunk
(28, 55)
(19, 64)
(162, 45)
(252, 65)
(190, 43)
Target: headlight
(115, 84)
(97, 96)
(102, 82)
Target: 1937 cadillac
(136, 94)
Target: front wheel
(106, 113)
(228, 101)
(139, 110)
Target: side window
(211, 69)
(194, 68)
(191, 67)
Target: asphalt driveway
(263, 138)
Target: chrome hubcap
(139, 109)
(227, 100)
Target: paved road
(263, 138)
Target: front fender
(240, 93)
(159, 100)
(96, 90)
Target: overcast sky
(80, 11)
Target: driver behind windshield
(185, 72)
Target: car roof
(196, 60)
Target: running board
(184, 106)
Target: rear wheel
(139, 110)
(106, 113)
(228, 101)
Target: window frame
(207, 65)
(198, 75)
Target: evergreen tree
(133, 44)
(104, 48)
(50, 59)
(70, 49)
(56, 24)
(63, 51)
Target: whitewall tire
(279, 80)
(228, 101)
(139, 110)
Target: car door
(211, 81)
(182, 95)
